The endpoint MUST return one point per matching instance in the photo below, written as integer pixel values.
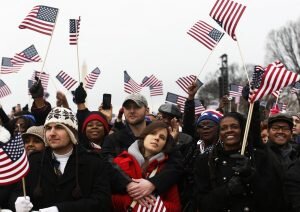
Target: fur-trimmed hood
(4, 135)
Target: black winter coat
(93, 178)
(263, 191)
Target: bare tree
(284, 45)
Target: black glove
(79, 94)
(245, 92)
(235, 186)
(37, 90)
(25, 108)
(243, 167)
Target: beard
(136, 121)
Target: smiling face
(230, 133)
(155, 141)
(279, 133)
(95, 131)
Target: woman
(144, 158)
(33, 139)
(228, 181)
(94, 129)
(94, 125)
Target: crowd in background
(163, 161)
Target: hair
(151, 128)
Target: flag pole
(77, 49)
(277, 97)
(44, 61)
(243, 61)
(206, 61)
(249, 117)
(24, 187)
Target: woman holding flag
(226, 180)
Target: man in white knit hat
(65, 177)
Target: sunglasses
(207, 125)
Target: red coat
(130, 166)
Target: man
(280, 128)
(65, 177)
(171, 113)
(296, 128)
(135, 109)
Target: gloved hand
(245, 92)
(243, 166)
(235, 186)
(50, 209)
(37, 90)
(79, 94)
(23, 204)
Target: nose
(51, 131)
(30, 143)
(156, 137)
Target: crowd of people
(83, 161)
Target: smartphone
(106, 101)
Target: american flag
(74, 31)
(275, 77)
(256, 80)
(158, 207)
(4, 90)
(156, 90)
(150, 81)
(40, 19)
(295, 88)
(92, 78)
(276, 94)
(130, 86)
(28, 55)
(235, 90)
(227, 14)
(185, 82)
(13, 161)
(176, 99)
(180, 101)
(7, 67)
(205, 34)
(67, 81)
(44, 77)
(199, 108)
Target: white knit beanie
(66, 118)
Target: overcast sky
(140, 36)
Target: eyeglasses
(277, 128)
(206, 126)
